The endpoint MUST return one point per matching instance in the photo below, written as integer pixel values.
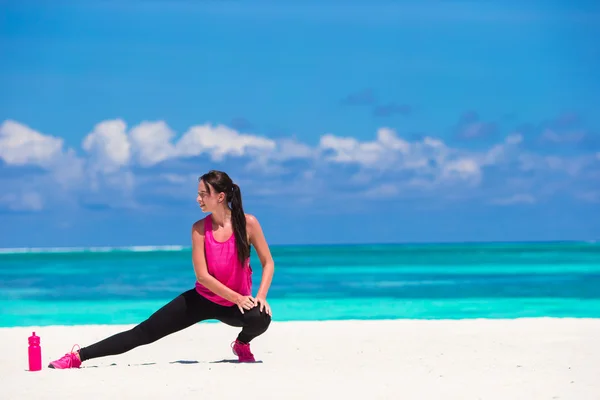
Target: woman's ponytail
(238, 219)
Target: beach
(461, 321)
(536, 358)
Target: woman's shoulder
(251, 220)
(198, 226)
(252, 224)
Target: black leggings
(184, 311)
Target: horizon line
(176, 247)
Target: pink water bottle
(35, 353)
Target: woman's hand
(263, 304)
(245, 303)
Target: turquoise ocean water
(114, 286)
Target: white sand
(470, 359)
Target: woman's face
(208, 202)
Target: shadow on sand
(233, 362)
(185, 362)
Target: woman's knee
(257, 319)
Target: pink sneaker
(242, 350)
(69, 360)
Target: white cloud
(503, 152)
(108, 146)
(572, 166)
(21, 145)
(68, 170)
(270, 160)
(474, 129)
(379, 154)
(514, 139)
(111, 147)
(386, 166)
(151, 142)
(462, 169)
(28, 201)
(382, 191)
(389, 152)
(552, 136)
(220, 141)
(288, 149)
(514, 199)
(175, 178)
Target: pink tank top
(224, 265)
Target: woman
(221, 257)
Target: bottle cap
(33, 339)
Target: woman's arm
(201, 270)
(257, 239)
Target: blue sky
(343, 122)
